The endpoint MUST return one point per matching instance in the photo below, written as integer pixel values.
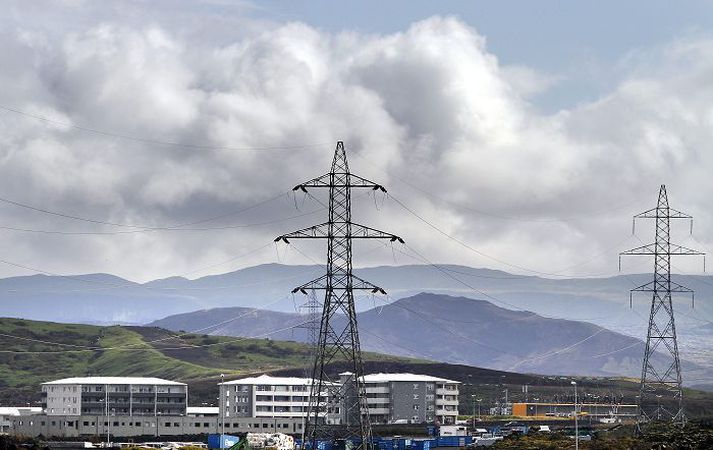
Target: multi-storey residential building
(129, 406)
(409, 398)
(114, 396)
(266, 396)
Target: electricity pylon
(310, 309)
(338, 342)
(661, 370)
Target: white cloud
(429, 105)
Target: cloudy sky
(161, 138)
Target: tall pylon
(661, 369)
(338, 342)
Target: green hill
(32, 352)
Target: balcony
(446, 391)
(376, 390)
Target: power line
(161, 349)
(144, 140)
(501, 261)
(140, 227)
(129, 284)
(159, 229)
(494, 215)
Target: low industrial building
(8, 414)
(594, 410)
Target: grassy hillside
(32, 352)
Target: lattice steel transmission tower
(338, 339)
(661, 370)
(311, 310)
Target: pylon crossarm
(648, 249)
(654, 213)
(321, 283)
(322, 231)
(651, 249)
(313, 232)
(681, 250)
(364, 232)
(326, 180)
(649, 287)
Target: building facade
(409, 398)
(272, 397)
(114, 396)
(150, 407)
(594, 410)
(8, 414)
(118, 427)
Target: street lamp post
(106, 410)
(479, 400)
(223, 405)
(576, 423)
(472, 396)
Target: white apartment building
(392, 398)
(275, 397)
(114, 396)
(410, 398)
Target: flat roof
(203, 410)
(371, 378)
(267, 379)
(115, 380)
(408, 377)
(580, 404)
(17, 410)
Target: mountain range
(604, 302)
(452, 329)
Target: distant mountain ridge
(105, 299)
(263, 285)
(455, 330)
